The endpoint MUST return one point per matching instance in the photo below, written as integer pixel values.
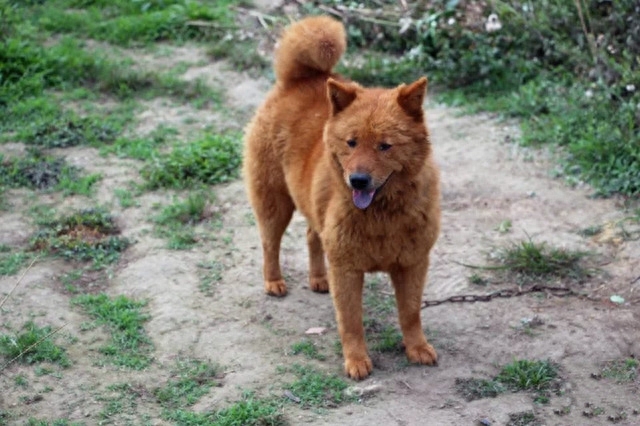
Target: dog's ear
(340, 95)
(411, 97)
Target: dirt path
(487, 181)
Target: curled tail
(308, 48)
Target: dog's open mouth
(363, 198)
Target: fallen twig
(31, 347)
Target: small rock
(484, 422)
(362, 391)
(316, 330)
(289, 395)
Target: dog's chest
(373, 245)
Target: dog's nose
(359, 180)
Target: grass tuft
(33, 344)
(318, 389)
(211, 160)
(622, 371)
(87, 235)
(308, 348)
(130, 346)
(532, 260)
(175, 222)
(190, 380)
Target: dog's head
(376, 134)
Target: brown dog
(357, 163)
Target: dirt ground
(486, 179)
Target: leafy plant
(32, 345)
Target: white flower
(631, 88)
(451, 21)
(588, 93)
(493, 23)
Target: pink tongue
(362, 199)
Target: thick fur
(313, 134)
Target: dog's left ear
(411, 97)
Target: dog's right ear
(340, 95)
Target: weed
(622, 371)
(20, 380)
(85, 235)
(532, 260)
(140, 148)
(175, 221)
(478, 280)
(504, 226)
(528, 375)
(525, 418)
(72, 131)
(129, 346)
(39, 171)
(121, 400)
(308, 348)
(318, 389)
(383, 338)
(10, 263)
(250, 411)
(471, 389)
(33, 344)
(191, 380)
(210, 160)
(590, 231)
(125, 198)
(520, 375)
(212, 276)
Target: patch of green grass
(471, 388)
(12, 262)
(212, 276)
(520, 375)
(58, 422)
(140, 148)
(526, 375)
(190, 380)
(175, 222)
(308, 348)
(130, 346)
(125, 23)
(250, 411)
(384, 338)
(622, 371)
(317, 389)
(478, 280)
(210, 160)
(125, 198)
(122, 399)
(241, 53)
(86, 235)
(39, 171)
(21, 380)
(533, 260)
(33, 344)
(71, 130)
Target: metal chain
(512, 292)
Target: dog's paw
(319, 284)
(422, 354)
(275, 288)
(358, 368)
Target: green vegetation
(622, 371)
(532, 260)
(524, 418)
(191, 380)
(241, 53)
(33, 344)
(87, 235)
(213, 275)
(318, 389)
(210, 160)
(520, 375)
(308, 348)
(141, 148)
(130, 346)
(175, 222)
(567, 69)
(39, 171)
(11, 262)
(250, 411)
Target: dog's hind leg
(273, 213)
(317, 270)
(409, 284)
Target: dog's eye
(384, 146)
(352, 143)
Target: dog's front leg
(346, 291)
(409, 284)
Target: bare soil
(487, 179)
